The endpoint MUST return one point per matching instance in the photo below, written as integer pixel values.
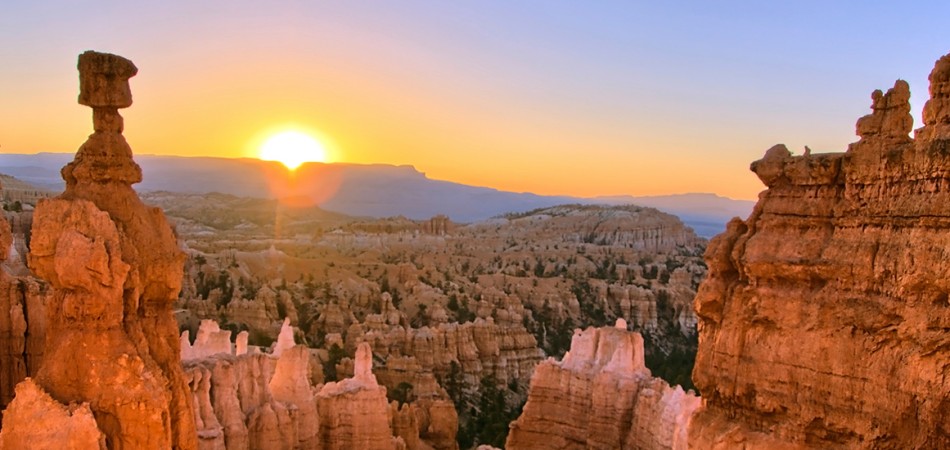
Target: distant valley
(375, 190)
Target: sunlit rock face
(251, 399)
(115, 271)
(602, 396)
(264, 400)
(36, 421)
(350, 409)
(824, 319)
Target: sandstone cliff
(602, 396)
(115, 271)
(824, 322)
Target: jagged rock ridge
(245, 398)
(824, 321)
(602, 396)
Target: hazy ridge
(374, 190)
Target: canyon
(408, 327)
(210, 321)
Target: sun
(292, 148)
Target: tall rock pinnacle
(116, 269)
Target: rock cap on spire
(104, 80)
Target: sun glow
(292, 148)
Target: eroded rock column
(115, 269)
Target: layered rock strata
(824, 322)
(480, 348)
(602, 396)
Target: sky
(547, 96)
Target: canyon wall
(825, 321)
(602, 396)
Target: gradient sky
(551, 97)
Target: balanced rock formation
(115, 271)
(602, 396)
(824, 319)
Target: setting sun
(292, 148)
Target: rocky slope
(824, 322)
(23, 298)
(602, 396)
(20, 192)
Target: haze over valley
(376, 190)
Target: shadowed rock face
(115, 269)
(23, 300)
(824, 320)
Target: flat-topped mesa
(824, 315)
(115, 269)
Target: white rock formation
(210, 340)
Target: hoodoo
(115, 270)
(824, 320)
(602, 396)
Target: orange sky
(616, 99)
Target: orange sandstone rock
(354, 413)
(37, 422)
(602, 396)
(824, 319)
(115, 269)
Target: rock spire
(115, 269)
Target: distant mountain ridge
(374, 190)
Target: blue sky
(584, 98)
